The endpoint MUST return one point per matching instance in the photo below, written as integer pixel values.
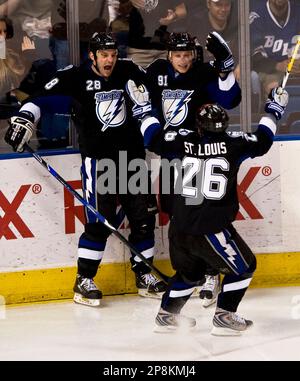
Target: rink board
(41, 222)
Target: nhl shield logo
(110, 108)
(174, 105)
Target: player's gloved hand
(19, 131)
(277, 102)
(216, 45)
(140, 97)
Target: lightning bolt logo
(231, 255)
(110, 108)
(221, 246)
(112, 111)
(175, 106)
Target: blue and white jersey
(106, 110)
(175, 97)
(270, 38)
(206, 199)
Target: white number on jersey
(211, 185)
(51, 84)
(93, 85)
(162, 80)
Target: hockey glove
(216, 45)
(140, 97)
(277, 102)
(19, 131)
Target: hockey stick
(112, 229)
(290, 64)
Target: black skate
(150, 286)
(86, 292)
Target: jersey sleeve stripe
(32, 108)
(269, 121)
(227, 83)
(149, 128)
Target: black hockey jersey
(176, 97)
(103, 108)
(206, 198)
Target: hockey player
(178, 86)
(105, 119)
(206, 204)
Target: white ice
(122, 329)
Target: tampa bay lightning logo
(174, 105)
(110, 108)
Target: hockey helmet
(102, 41)
(180, 42)
(212, 118)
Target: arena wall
(40, 223)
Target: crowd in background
(34, 42)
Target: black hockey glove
(19, 131)
(277, 102)
(216, 45)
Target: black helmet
(180, 42)
(102, 41)
(212, 118)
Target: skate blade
(222, 331)
(85, 301)
(196, 292)
(164, 329)
(146, 294)
(208, 302)
(172, 329)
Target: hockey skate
(169, 322)
(226, 323)
(150, 286)
(86, 292)
(210, 290)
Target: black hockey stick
(112, 229)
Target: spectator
(32, 18)
(275, 28)
(218, 15)
(148, 24)
(8, 6)
(93, 17)
(120, 25)
(11, 67)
